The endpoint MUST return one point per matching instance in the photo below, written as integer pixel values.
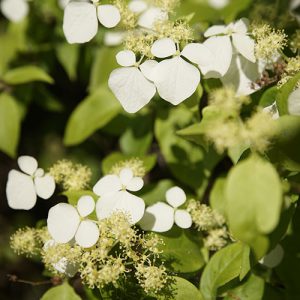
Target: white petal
(39, 172)
(63, 3)
(147, 68)
(135, 184)
(131, 88)
(87, 234)
(163, 48)
(132, 205)
(63, 221)
(126, 58)
(44, 186)
(137, 6)
(221, 47)
(198, 54)
(215, 30)
(148, 18)
(20, 191)
(244, 45)
(158, 217)
(113, 38)
(14, 10)
(241, 26)
(183, 219)
(294, 103)
(107, 185)
(105, 205)
(176, 79)
(126, 175)
(218, 4)
(85, 205)
(242, 75)
(175, 196)
(27, 164)
(108, 15)
(80, 22)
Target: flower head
(22, 189)
(66, 222)
(114, 195)
(160, 217)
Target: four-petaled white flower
(114, 196)
(130, 84)
(66, 222)
(22, 189)
(175, 78)
(81, 19)
(160, 217)
(148, 14)
(14, 10)
(224, 41)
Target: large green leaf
(26, 74)
(182, 250)
(253, 201)
(90, 115)
(10, 123)
(225, 265)
(62, 292)
(183, 290)
(251, 289)
(286, 146)
(188, 162)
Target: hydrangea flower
(175, 78)
(129, 83)
(160, 217)
(114, 195)
(148, 14)
(81, 19)
(66, 222)
(218, 4)
(224, 41)
(14, 10)
(22, 189)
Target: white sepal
(27, 164)
(163, 48)
(294, 103)
(108, 184)
(149, 17)
(85, 205)
(175, 196)
(183, 219)
(44, 186)
(108, 15)
(135, 184)
(244, 45)
(215, 30)
(198, 54)
(147, 68)
(125, 175)
(87, 234)
(126, 58)
(14, 10)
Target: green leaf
(116, 157)
(225, 265)
(253, 201)
(283, 95)
(91, 114)
(217, 196)
(251, 289)
(188, 162)
(268, 96)
(10, 124)
(62, 292)
(26, 74)
(182, 250)
(68, 55)
(286, 147)
(183, 290)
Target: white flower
(113, 38)
(129, 84)
(14, 10)
(175, 78)
(294, 103)
(242, 75)
(294, 9)
(223, 41)
(66, 222)
(218, 4)
(160, 217)
(114, 196)
(63, 3)
(63, 266)
(22, 189)
(81, 19)
(149, 14)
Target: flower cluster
(211, 223)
